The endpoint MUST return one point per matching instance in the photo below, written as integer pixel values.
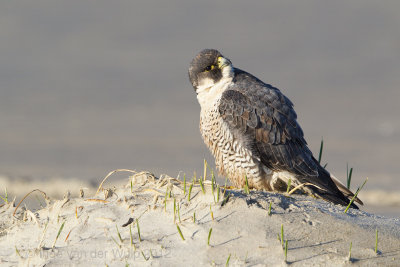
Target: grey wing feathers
(266, 118)
(264, 113)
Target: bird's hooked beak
(223, 62)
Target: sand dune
(104, 229)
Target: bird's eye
(208, 68)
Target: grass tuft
(286, 249)
(282, 236)
(184, 183)
(174, 209)
(179, 214)
(115, 241)
(180, 232)
(376, 241)
(209, 236)
(44, 195)
(119, 235)
(131, 187)
(131, 237)
(17, 252)
(349, 257)
(202, 186)
(355, 195)
(58, 234)
(289, 184)
(190, 191)
(194, 217)
(349, 175)
(212, 181)
(246, 186)
(165, 200)
(111, 173)
(226, 180)
(321, 148)
(227, 261)
(5, 198)
(269, 208)
(226, 199)
(68, 235)
(205, 170)
(144, 256)
(138, 230)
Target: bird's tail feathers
(345, 191)
(329, 189)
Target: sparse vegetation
(180, 232)
(349, 257)
(376, 241)
(349, 174)
(246, 186)
(190, 191)
(321, 148)
(202, 186)
(131, 237)
(269, 208)
(138, 230)
(58, 234)
(289, 184)
(184, 183)
(209, 236)
(119, 235)
(286, 249)
(227, 260)
(5, 198)
(205, 170)
(355, 195)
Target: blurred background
(91, 86)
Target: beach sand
(235, 227)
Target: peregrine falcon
(252, 131)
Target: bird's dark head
(208, 68)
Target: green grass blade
(205, 170)
(320, 150)
(138, 230)
(269, 208)
(58, 234)
(165, 200)
(351, 244)
(184, 183)
(119, 235)
(190, 191)
(130, 234)
(202, 186)
(227, 261)
(289, 184)
(355, 195)
(246, 186)
(180, 232)
(5, 198)
(174, 209)
(349, 174)
(179, 213)
(209, 236)
(286, 248)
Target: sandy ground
(216, 228)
